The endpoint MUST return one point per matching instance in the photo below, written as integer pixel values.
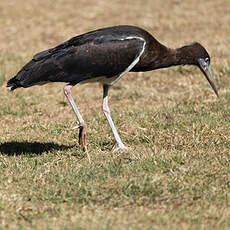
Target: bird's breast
(102, 80)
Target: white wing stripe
(136, 60)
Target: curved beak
(206, 69)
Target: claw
(82, 135)
(121, 149)
(75, 127)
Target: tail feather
(34, 73)
(23, 76)
(13, 83)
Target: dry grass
(177, 174)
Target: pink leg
(82, 126)
(106, 111)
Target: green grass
(176, 173)
(178, 169)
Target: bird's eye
(207, 61)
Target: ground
(176, 175)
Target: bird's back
(104, 52)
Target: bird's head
(196, 54)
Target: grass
(176, 175)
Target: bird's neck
(172, 57)
(164, 58)
(184, 55)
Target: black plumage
(105, 55)
(104, 52)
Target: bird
(105, 55)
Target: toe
(122, 149)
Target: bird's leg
(81, 125)
(106, 111)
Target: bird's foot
(75, 127)
(82, 136)
(122, 148)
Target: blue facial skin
(205, 67)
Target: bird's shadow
(13, 148)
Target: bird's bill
(206, 69)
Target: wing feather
(106, 52)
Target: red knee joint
(67, 89)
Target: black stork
(104, 56)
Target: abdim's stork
(104, 56)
